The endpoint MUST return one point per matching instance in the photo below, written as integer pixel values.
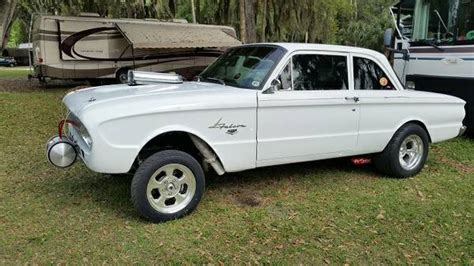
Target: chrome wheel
(411, 152)
(171, 188)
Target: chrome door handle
(355, 99)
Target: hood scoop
(142, 78)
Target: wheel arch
(415, 121)
(402, 124)
(183, 140)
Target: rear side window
(369, 76)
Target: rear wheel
(122, 76)
(167, 186)
(406, 153)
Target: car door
(382, 105)
(312, 115)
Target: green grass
(7, 72)
(320, 212)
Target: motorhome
(434, 47)
(88, 48)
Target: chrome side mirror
(274, 86)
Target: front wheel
(406, 153)
(168, 185)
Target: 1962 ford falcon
(257, 105)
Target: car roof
(323, 47)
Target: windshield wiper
(432, 44)
(200, 78)
(215, 79)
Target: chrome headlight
(81, 130)
(85, 135)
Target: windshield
(244, 67)
(437, 21)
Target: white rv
(434, 47)
(86, 48)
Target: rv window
(407, 10)
(439, 21)
(466, 21)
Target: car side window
(319, 72)
(315, 72)
(369, 76)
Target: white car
(257, 105)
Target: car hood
(164, 95)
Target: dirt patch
(20, 84)
(459, 166)
(251, 201)
(465, 168)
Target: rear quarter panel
(384, 112)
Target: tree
(349, 22)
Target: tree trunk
(243, 27)
(193, 11)
(226, 12)
(356, 12)
(264, 21)
(172, 6)
(198, 11)
(222, 16)
(277, 20)
(250, 21)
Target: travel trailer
(88, 48)
(433, 48)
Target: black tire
(12, 65)
(122, 76)
(145, 172)
(388, 162)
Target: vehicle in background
(7, 61)
(20, 53)
(87, 48)
(433, 48)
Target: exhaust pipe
(209, 155)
